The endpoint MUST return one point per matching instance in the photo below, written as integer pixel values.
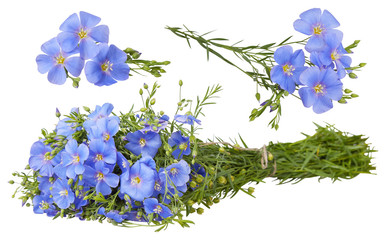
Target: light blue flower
(143, 143)
(42, 204)
(317, 25)
(101, 178)
(55, 61)
(177, 173)
(151, 205)
(83, 34)
(101, 153)
(104, 129)
(100, 112)
(182, 143)
(113, 215)
(62, 194)
(186, 119)
(322, 86)
(41, 160)
(290, 67)
(108, 67)
(73, 158)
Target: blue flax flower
(45, 183)
(143, 143)
(101, 178)
(73, 158)
(104, 129)
(177, 173)
(108, 66)
(186, 119)
(290, 67)
(322, 86)
(151, 205)
(182, 143)
(41, 160)
(113, 215)
(122, 162)
(62, 194)
(55, 61)
(42, 204)
(82, 33)
(101, 153)
(334, 52)
(316, 24)
(100, 112)
(138, 182)
(156, 125)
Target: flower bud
(81, 187)
(232, 178)
(136, 55)
(348, 91)
(216, 200)
(200, 211)
(161, 113)
(352, 75)
(190, 202)
(222, 180)
(152, 102)
(354, 95)
(342, 100)
(145, 86)
(362, 64)
(243, 171)
(270, 156)
(192, 210)
(180, 83)
(70, 181)
(211, 170)
(81, 177)
(193, 184)
(141, 91)
(222, 150)
(250, 190)
(27, 167)
(199, 178)
(11, 182)
(87, 109)
(57, 113)
(143, 109)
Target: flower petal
(277, 75)
(68, 41)
(93, 71)
(298, 58)
(44, 63)
(71, 24)
(310, 77)
(103, 188)
(303, 27)
(106, 80)
(88, 20)
(100, 33)
(322, 104)
(111, 179)
(307, 96)
(328, 20)
(315, 43)
(51, 47)
(120, 71)
(88, 48)
(283, 54)
(311, 16)
(115, 55)
(83, 152)
(57, 75)
(74, 65)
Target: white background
(350, 209)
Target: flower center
(47, 158)
(44, 205)
(157, 186)
(106, 136)
(135, 180)
(319, 89)
(173, 171)
(82, 33)
(142, 142)
(76, 159)
(99, 157)
(288, 69)
(100, 176)
(107, 66)
(158, 209)
(64, 193)
(60, 59)
(183, 146)
(317, 30)
(334, 55)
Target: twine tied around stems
(263, 150)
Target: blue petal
(51, 47)
(68, 41)
(71, 171)
(103, 188)
(297, 73)
(333, 39)
(44, 63)
(66, 158)
(329, 77)
(111, 179)
(106, 80)
(315, 43)
(307, 96)
(283, 54)
(36, 162)
(346, 61)
(100, 33)
(93, 71)
(303, 27)
(325, 56)
(83, 152)
(57, 75)
(60, 171)
(311, 16)
(115, 55)
(120, 71)
(135, 148)
(72, 147)
(89, 175)
(288, 84)
(71, 24)
(335, 91)
(112, 127)
(74, 65)
(88, 20)
(341, 72)
(298, 58)
(310, 77)
(277, 75)
(46, 170)
(102, 55)
(328, 20)
(37, 148)
(88, 48)
(150, 204)
(322, 104)
(79, 169)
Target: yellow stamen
(107, 66)
(64, 193)
(60, 59)
(334, 55)
(158, 209)
(142, 142)
(76, 159)
(44, 205)
(106, 136)
(174, 171)
(319, 89)
(99, 157)
(317, 30)
(82, 33)
(288, 69)
(99, 176)
(135, 180)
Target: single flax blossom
(56, 62)
(186, 119)
(100, 112)
(317, 25)
(101, 154)
(104, 129)
(82, 33)
(41, 159)
(108, 66)
(101, 178)
(321, 87)
(151, 205)
(143, 143)
(182, 143)
(73, 158)
(62, 194)
(289, 68)
(42, 204)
